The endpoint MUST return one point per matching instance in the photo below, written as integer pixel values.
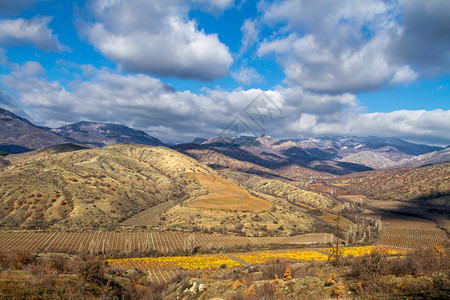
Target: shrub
(23, 258)
(369, 265)
(270, 269)
(91, 268)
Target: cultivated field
(225, 195)
(140, 242)
(412, 238)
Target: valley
(240, 209)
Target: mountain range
(328, 155)
(18, 135)
(335, 155)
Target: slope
(94, 187)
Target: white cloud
(21, 32)
(403, 75)
(347, 46)
(250, 34)
(246, 75)
(155, 37)
(213, 5)
(146, 103)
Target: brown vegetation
(225, 195)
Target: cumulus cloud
(156, 37)
(424, 42)
(347, 46)
(246, 75)
(21, 32)
(146, 103)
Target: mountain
(340, 147)
(199, 141)
(219, 161)
(371, 159)
(272, 154)
(18, 135)
(96, 134)
(371, 151)
(431, 158)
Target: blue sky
(181, 69)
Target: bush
(91, 269)
(277, 267)
(420, 261)
(369, 265)
(23, 258)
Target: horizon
(265, 134)
(188, 69)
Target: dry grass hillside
(212, 157)
(279, 188)
(91, 188)
(400, 184)
(225, 195)
(66, 187)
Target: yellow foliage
(438, 249)
(361, 251)
(251, 290)
(236, 285)
(331, 280)
(276, 283)
(287, 274)
(175, 262)
(339, 291)
(265, 256)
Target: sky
(180, 69)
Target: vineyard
(412, 238)
(140, 242)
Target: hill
(69, 187)
(340, 147)
(403, 184)
(93, 187)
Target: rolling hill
(93, 187)
(402, 184)
(70, 187)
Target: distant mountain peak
(18, 135)
(100, 134)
